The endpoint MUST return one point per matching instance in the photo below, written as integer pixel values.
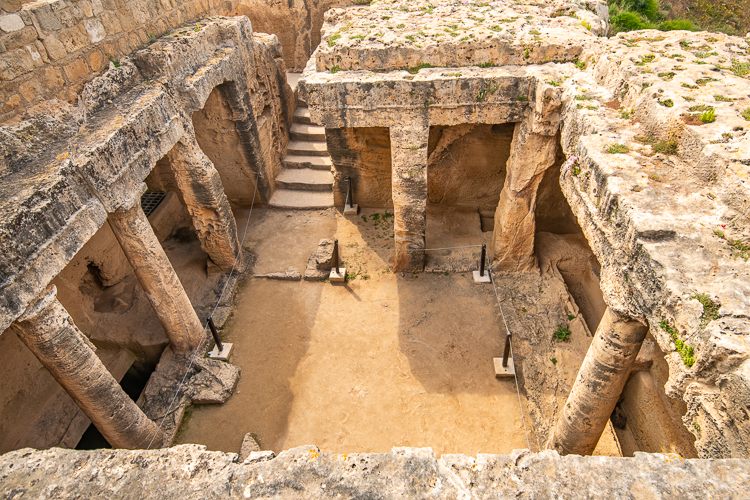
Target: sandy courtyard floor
(387, 360)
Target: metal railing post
(215, 334)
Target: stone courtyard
(387, 248)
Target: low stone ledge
(190, 471)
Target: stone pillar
(49, 332)
(409, 191)
(203, 194)
(531, 154)
(157, 277)
(598, 386)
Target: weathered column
(531, 154)
(203, 194)
(49, 332)
(409, 191)
(598, 386)
(157, 277)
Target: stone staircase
(305, 181)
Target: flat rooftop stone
(406, 34)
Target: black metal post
(215, 334)
(336, 255)
(481, 261)
(349, 195)
(506, 353)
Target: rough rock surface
(249, 446)
(180, 381)
(660, 188)
(64, 168)
(190, 471)
(402, 34)
(320, 262)
(655, 125)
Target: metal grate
(151, 200)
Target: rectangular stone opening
(465, 174)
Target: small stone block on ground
(223, 354)
(351, 210)
(504, 371)
(478, 278)
(337, 277)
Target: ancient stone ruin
(387, 248)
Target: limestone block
(77, 71)
(55, 47)
(16, 39)
(95, 30)
(249, 445)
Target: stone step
(302, 115)
(306, 132)
(307, 148)
(314, 162)
(301, 200)
(305, 179)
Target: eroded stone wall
(51, 48)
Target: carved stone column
(203, 194)
(531, 154)
(409, 187)
(157, 277)
(598, 386)
(49, 332)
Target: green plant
(645, 59)
(615, 149)
(586, 25)
(678, 24)
(414, 70)
(708, 116)
(667, 75)
(562, 333)
(553, 360)
(723, 98)
(667, 103)
(740, 247)
(335, 69)
(486, 65)
(710, 308)
(580, 64)
(571, 317)
(668, 147)
(686, 351)
(576, 170)
(333, 39)
(740, 68)
(745, 113)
